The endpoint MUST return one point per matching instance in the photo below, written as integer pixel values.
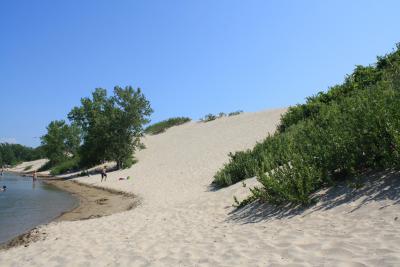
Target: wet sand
(94, 202)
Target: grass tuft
(162, 126)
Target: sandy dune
(29, 166)
(183, 222)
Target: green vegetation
(211, 117)
(101, 129)
(12, 154)
(111, 127)
(221, 114)
(27, 168)
(351, 129)
(68, 165)
(162, 126)
(235, 113)
(61, 143)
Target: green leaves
(336, 135)
(162, 126)
(61, 142)
(11, 154)
(111, 126)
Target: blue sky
(189, 57)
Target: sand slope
(29, 166)
(183, 222)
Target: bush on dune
(162, 126)
(342, 142)
(234, 113)
(27, 168)
(66, 166)
(353, 128)
(211, 117)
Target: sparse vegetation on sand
(234, 113)
(337, 135)
(27, 168)
(162, 126)
(211, 117)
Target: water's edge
(87, 207)
(48, 193)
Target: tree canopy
(61, 141)
(11, 154)
(111, 126)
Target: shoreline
(93, 202)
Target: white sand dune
(183, 222)
(29, 166)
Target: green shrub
(84, 173)
(162, 126)
(386, 69)
(235, 113)
(221, 114)
(208, 117)
(241, 164)
(211, 117)
(128, 162)
(334, 136)
(45, 167)
(66, 166)
(27, 168)
(343, 141)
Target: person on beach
(104, 174)
(34, 176)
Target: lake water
(26, 204)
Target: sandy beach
(183, 221)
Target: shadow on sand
(375, 187)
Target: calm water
(26, 204)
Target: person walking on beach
(104, 174)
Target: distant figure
(4, 188)
(34, 176)
(104, 174)
(2, 171)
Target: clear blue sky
(189, 57)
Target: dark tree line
(11, 154)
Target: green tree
(111, 126)
(8, 154)
(11, 154)
(61, 142)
